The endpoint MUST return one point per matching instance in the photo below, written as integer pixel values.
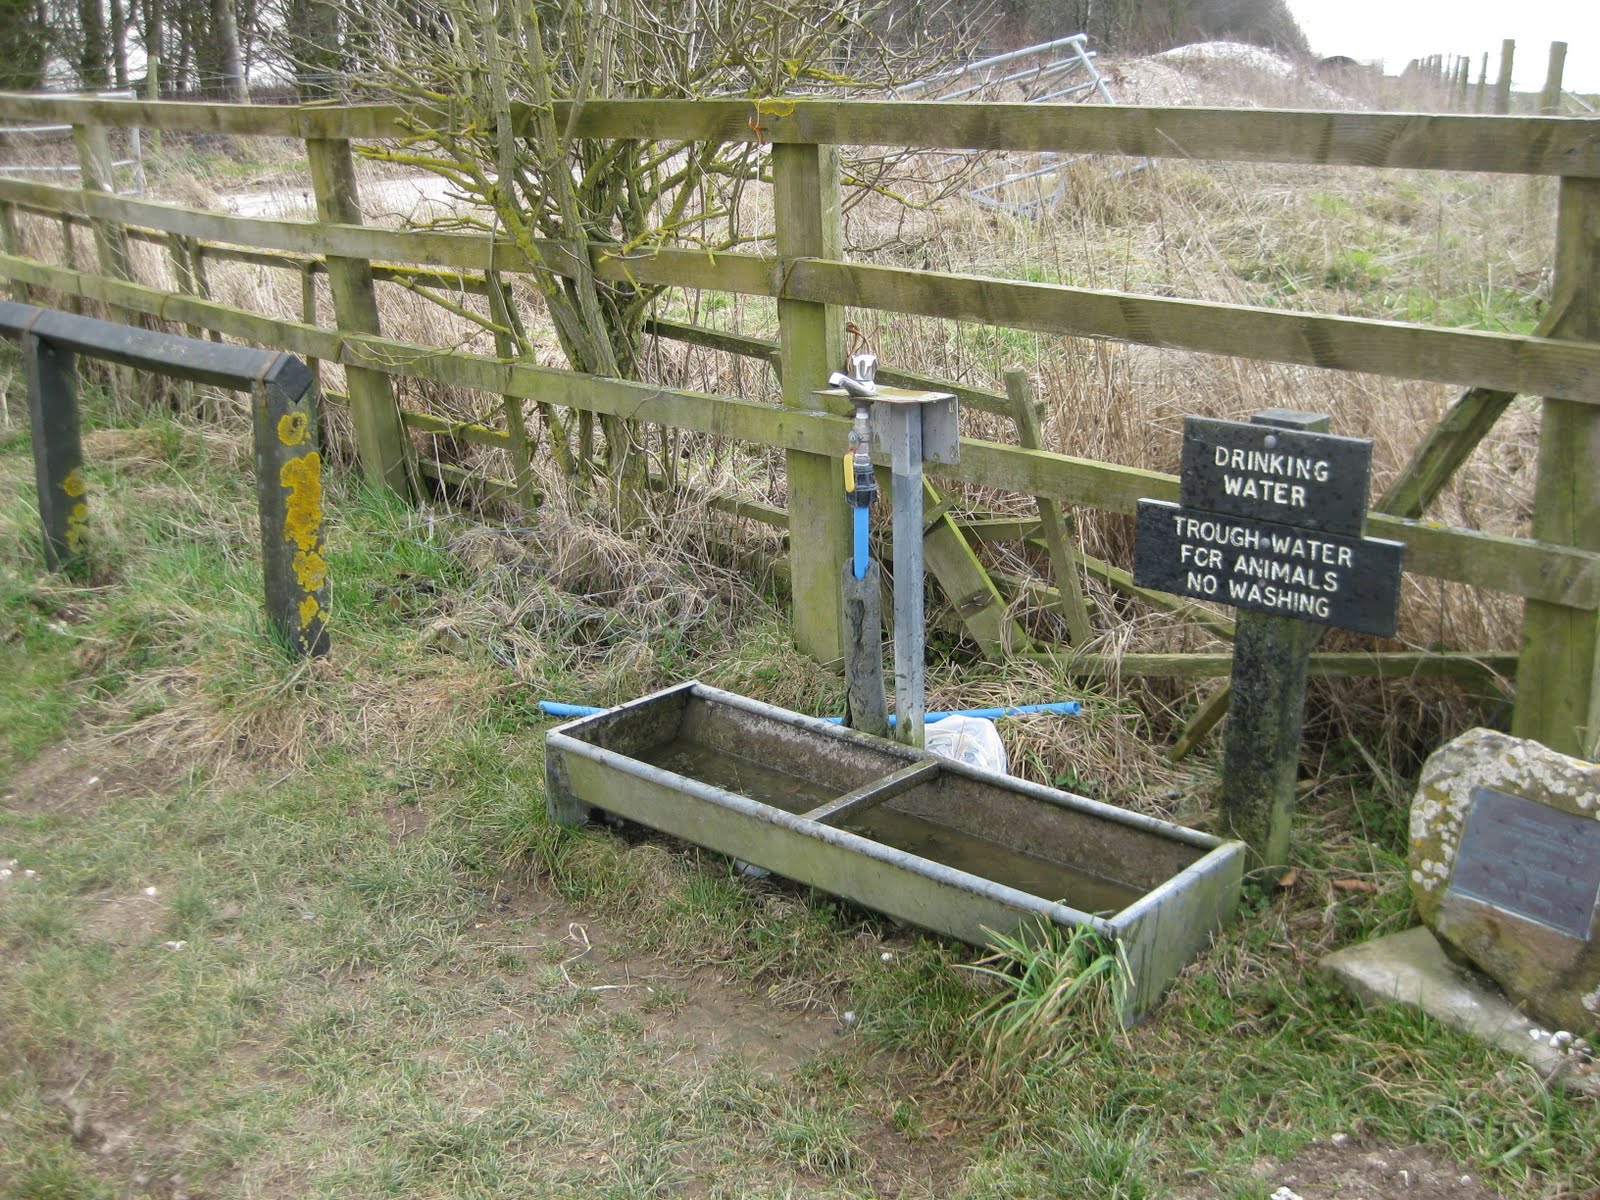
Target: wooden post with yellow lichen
(289, 493)
(57, 454)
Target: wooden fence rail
(1557, 570)
(1472, 358)
(1418, 141)
(1558, 574)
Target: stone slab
(1412, 969)
(1505, 868)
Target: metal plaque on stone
(1264, 566)
(1269, 473)
(1530, 860)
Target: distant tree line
(198, 46)
(213, 47)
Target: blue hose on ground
(555, 708)
(1070, 708)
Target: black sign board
(1269, 473)
(1530, 860)
(1270, 567)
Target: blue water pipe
(859, 562)
(1069, 708)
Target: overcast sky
(1400, 30)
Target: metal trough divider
(873, 794)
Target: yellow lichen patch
(73, 484)
(77, 527)
(302, 512)
(292, 428)
(310, 569)
(309, 608)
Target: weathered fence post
(308, 313)
(152, 74)
(182, 272)
(1550, 98)
(1558, 676)
(57, 454)
(380, 435)
(1056, 528)
(518, 446)
(11, 243)
(97, 175)
(806, 197)
(289, 495)
(1502, 89)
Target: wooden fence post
(811, 344)
(96, 174)
(11, 243)
(152, 76)
(308, 313)
(518, 447)
(1558, 676)
(380, 435)
(94, 163)
(1056, 527)
(57, 454)
(1502, 89)
(1550, 98)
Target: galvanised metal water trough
(931, 841)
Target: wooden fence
(1557, 570)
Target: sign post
(1270, 521)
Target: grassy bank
(279, 929)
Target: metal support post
(860, 587)
(910, 428)
(903, 434)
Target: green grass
(370, 967)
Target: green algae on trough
(933, 842)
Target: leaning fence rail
(288, 464)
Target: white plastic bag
(971, 740)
